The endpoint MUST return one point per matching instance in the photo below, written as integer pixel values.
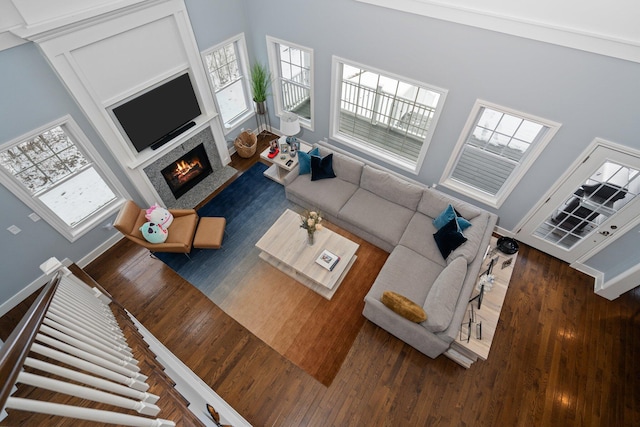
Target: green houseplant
(260, 81)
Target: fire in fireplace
(186, 172)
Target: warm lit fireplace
(183, 174)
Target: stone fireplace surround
(204, 188)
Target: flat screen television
(159, 115)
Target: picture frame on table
(273, 145)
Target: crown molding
(44, 29)
(596, 41)
(8, 40)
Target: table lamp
(290, 126)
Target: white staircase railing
(78, 329)
(70, 342)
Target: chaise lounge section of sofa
(398, 216)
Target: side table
(279, 168)
(466, 351)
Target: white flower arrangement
(311, 221)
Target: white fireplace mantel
(108, 57)
(149, 156)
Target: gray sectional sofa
(397, 216)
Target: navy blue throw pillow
(322, 168)
(449, 237)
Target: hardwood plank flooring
(562, 356)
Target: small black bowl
(507, 245)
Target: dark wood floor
(562, 356)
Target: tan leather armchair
(181, 232)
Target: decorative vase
(261, 107)
(310, 240)
(294, 147)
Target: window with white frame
(291, 66)
(388, 116)
(494, 151)
(227, 67)
(56, 173)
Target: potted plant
(260, 80)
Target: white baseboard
(94, 254)
(503, 231)
(28, 290)
(589, 271)
(597, 275)
(42, 280)
(620, 284)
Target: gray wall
(618, 257)
(591, 95)
(217, 20)
(214, 21)
(33, 96)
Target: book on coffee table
(328, 260)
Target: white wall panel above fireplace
(116, 68)
(119, 54)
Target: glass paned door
(599, 198)
(596, 201)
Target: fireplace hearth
(186, 172)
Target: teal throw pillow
(322, 168)
(154, 233)
(449, 238)
(304, 161)
(447, 215)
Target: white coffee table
(285, 247)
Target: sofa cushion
(403, 306)
(433, 202)
(390, 187)
(322, 167)
(449, 238)
(304, 161)
(447, 215)
(442, 298)
(329, 195)
(345, 167)
(407, 273)
(474, 234)
(376, 215)
(418, 236)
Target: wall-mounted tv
(159, 115)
